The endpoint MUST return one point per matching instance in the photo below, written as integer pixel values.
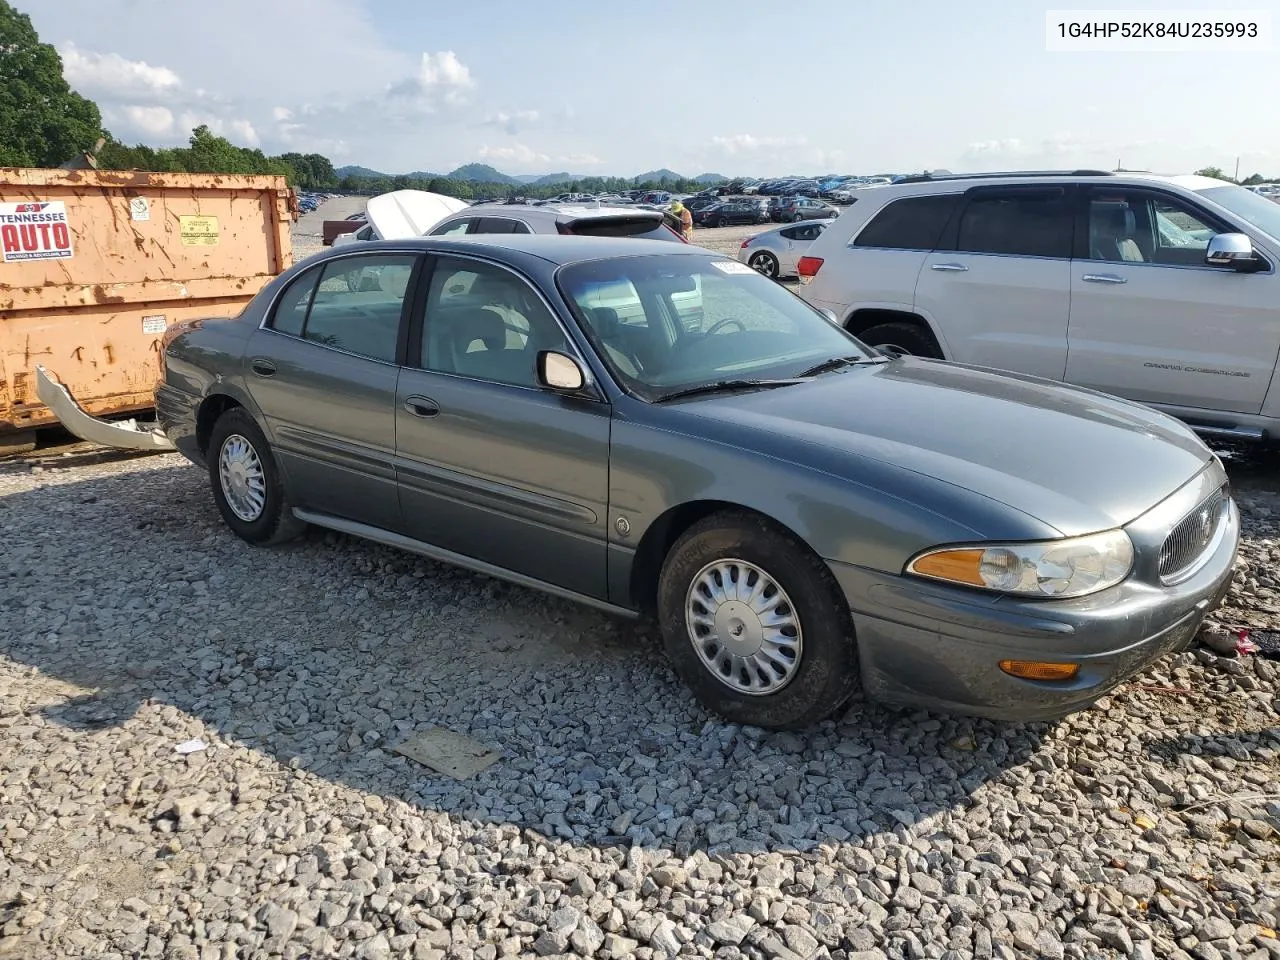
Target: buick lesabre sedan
(658, 430)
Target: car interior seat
(1112, 234)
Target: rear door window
(911, 223)
(453, 227)
(358, 304)
(1023, 223)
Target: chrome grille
(1186, 544)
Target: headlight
(1054, 568)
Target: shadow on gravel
(323, 654)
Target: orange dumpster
(96, 264)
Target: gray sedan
(803, 516)
(777, 251)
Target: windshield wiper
(720, 386)
(836, 363)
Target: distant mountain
(711, 178)
(481, 173)
(354, 171)
(658, 176)
(526, 177)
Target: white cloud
(281, 114)
(109, 74)
(442, 75)
(154, 121)
(517, 153)
(513, 123)
(746, 143)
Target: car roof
(554, 248)
(958, 183)
(565, 211)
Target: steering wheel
(725, 322)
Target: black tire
(796, 218)
(275, 523)
(903, 337)
(825, 674)
(765, 263)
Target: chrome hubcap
(743, 626)
(244, 483)
(762, 264)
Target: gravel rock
(611, 826)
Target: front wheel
(755, 625)
(901, 338)
(246, 482)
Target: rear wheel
(246, 482)
(765, 263)
(755, 625)
(901, 338)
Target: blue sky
(738, 87)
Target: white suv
(1162, 290)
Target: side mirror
(1230, 250)
(559, 371)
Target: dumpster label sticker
(199, 231)
(153, 324)
(34, 231)
(140, 208)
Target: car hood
(1076, 460)
(403, 214)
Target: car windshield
(1259, 211)
(669, 323)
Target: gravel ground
(612, 825)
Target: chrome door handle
(422, 406)
(1103, 278)
(949, 267)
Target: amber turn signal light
(1038, 670)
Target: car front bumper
(926, 644)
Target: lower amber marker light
(1039, 670)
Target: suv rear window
(1023, 223)
(643, 228)
(912, 223)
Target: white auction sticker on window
(731, 266)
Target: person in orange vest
(686, 218)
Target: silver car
(776, 252)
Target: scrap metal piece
(125, 434)
(453, 754)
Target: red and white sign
(34, 230)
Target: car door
(490, 465)
(1151, 321)
(323, 371)
(998, 285)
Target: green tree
(1215, 172)
(1252, 179)
(43, 122)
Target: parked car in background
(1163, 290)
(401, 214)
(794, 209)
(728, 212)
(568, 219)
(777, 251)
(802, 516)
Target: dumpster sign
(34, 230)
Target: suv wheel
(901, 338)
(755, 624)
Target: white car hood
(402, 214)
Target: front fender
(875, 515)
